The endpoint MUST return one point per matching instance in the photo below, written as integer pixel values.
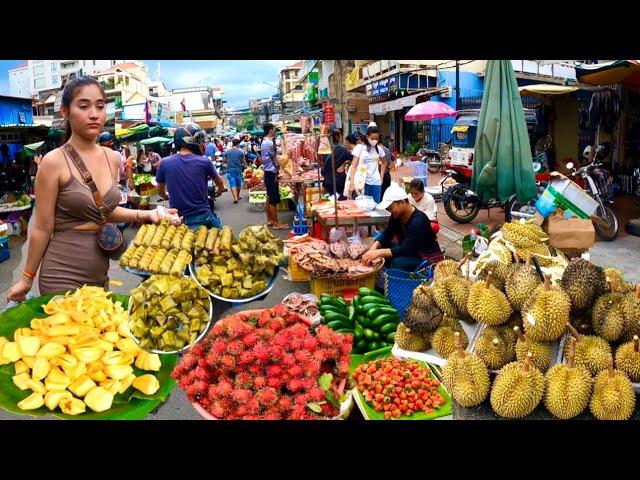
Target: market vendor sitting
(408, 239)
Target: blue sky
(240, 79)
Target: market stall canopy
(152, 140)
(502, 163)
(31, 149)
(546, 89)
(626, 72)
(429, 110)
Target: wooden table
(368, 219)
(300, 187)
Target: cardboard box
(571, 234)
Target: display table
(364, 219)
(300, 186)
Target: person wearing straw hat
(408, 239)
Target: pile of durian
(434, 315)
(593, 311)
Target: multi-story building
(290, 89)
(198, 104)
(19, 81)
(47, 75)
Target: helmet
(191, 136)
(105, 137)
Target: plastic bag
(367, 203)
(355, 247)
(336, 234)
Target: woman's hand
(19, 291)
(370, 256)
(154, 216)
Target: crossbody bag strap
(86, 177)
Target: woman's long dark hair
(370, 131)
(69, 93)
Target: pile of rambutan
(270, 366)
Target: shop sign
(393, 83)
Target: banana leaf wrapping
(167, 262)
(128, 255)
(149, 234)
(137, 241)
(188, 241)
(166, 240)
(201, 238)
(137, 256)
(157, 238)
(176, 241)
(211, 239)
(154, 267)
(146, 259)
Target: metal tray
(431, 356)
(186, 347)
(556, 350)
(270, 284)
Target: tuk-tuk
(463, 135)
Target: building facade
(290, 89)
(19, 81)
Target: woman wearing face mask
(341, 156)
(63, 241)
(369, 155)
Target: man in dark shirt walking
(271, 168)
(408, 239)
(186, 177)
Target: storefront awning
(626, 72)
(399, 103)
(545, 89)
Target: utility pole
(457, 105)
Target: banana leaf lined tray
(367, 410)
(131, 405)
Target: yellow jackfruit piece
(111, 386)
(98, 376)
(112, 337)
(81, 386)
(58, 319)
(41, 368)
(21, 367)
(33, 401)
(29, 361)
(126, 383)
(98, 399)
(63, 331)
(147, 384)
(148, 361)
(87, 354)
(118, 372)
(21, 380)
(28, 346)
(72, 406)
(127, 345)
(21, 332)
(50, 350)
(11, 352)
(37, 386)
(76, 371)
(53, 398)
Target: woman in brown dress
(63, 236)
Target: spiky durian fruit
(591, 351)
(487, 304)
(613, 396)
(615, 279)
(407, 340)
(631, 312)
(443, 340)
(515, 320)
(521, 284)
(495, 347)
(500, 273)
(608, 317)
(541, 351)
(546, 313)
(523, 235)
(423, 314)
(451, 295)
(518, 389)
(445, 268)
(628, 359)
(465, 376)
(584, 282)
(567, 387)
(581, 321)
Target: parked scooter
(606, 226)
(432, 158)
(463, 204)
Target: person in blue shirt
(185, 175)
(235, 165)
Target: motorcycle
(432, 158)
(463, 204)
(606, 224)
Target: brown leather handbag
(110, 238)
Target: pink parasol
(428, 111)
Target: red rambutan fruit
(217, 411)
(274, 370)
(241, 411)
(260, 353)
(212, 359)
(279, 310)
(294, 384)
(301, 356)
(275, 352)
(288, 360)
(241, 395)
(275, 383)
(295, 371)
(253, 406)
(243, 380)
(228, 361)
(267, 397)
(225, 388)
(285, 403)
(235, 348)
(245, 358)
(259, 381)
(343, 367)
(276, 324)
(250, 339)
(316, 395)
(264, 319)
(218, 347)
(192, 391)
(202, 373)
(310, 344)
